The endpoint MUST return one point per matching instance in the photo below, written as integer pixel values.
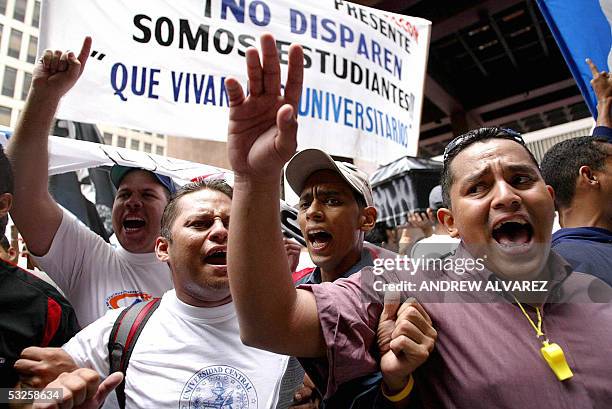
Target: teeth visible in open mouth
(514, 220)
(319, 237)
(218, 258)
(131, 223)
(513, 232)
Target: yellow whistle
(553, 354)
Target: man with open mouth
(511, 349)
(335, 211)
(94, 275)
(189, 353)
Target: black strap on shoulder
(123, 336)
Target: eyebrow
(512, 168)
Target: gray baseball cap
(306, 162)
(435, 198)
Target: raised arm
(34, 211)
(262, 138)
(602, 86)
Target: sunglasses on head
(462, 141)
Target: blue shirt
(587, 249)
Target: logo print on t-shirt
(218, 387)
(126, 298)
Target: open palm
(263, 126)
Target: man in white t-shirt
(440, 244)
(189, 353)
(94, 275)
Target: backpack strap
(123, 336)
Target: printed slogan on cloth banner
(160, 66)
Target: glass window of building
(5, 116)
(147, 147)
(32, 49)
(19, 11)
(2, 6)
(108, 138)
(159, 150)
(8, 84)
(14, 43)
(27, 81)
(121, 141)
(135, 144)
(160, 136)
(36, 14)
(1, 30)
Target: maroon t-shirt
(487, 354)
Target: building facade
(19, 32)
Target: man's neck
(196, 302)
(585, 217)
(440, 230)
(345, 265)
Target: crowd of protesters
(224, 320)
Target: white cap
(306, 162)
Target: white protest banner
(160, 66)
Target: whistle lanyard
(551, 352)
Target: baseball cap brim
(118, 172)
(306, 162)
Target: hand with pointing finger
(602, 86)
(56, 71)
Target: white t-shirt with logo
(186, 357)
(96, 276)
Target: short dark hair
(463, 141)
(170, 211)
(6, 174)
(562, 162)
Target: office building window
(3, 6)
(108, 138)
(159, 150)
(36, 14)
(134, 144)
(121, 141)
(19, 11)
(5, 116)
(8, 84)
(147, 147)
(160, 136)
(14, 43)
(27, 81)
(32, 49)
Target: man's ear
(551, 191)
(587, 177)
(161, 249)
(445, 217)
(6, 201)
(367, 220)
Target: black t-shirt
(32, 313)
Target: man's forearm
(29, 155)
(28, 148)
(257, 262)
